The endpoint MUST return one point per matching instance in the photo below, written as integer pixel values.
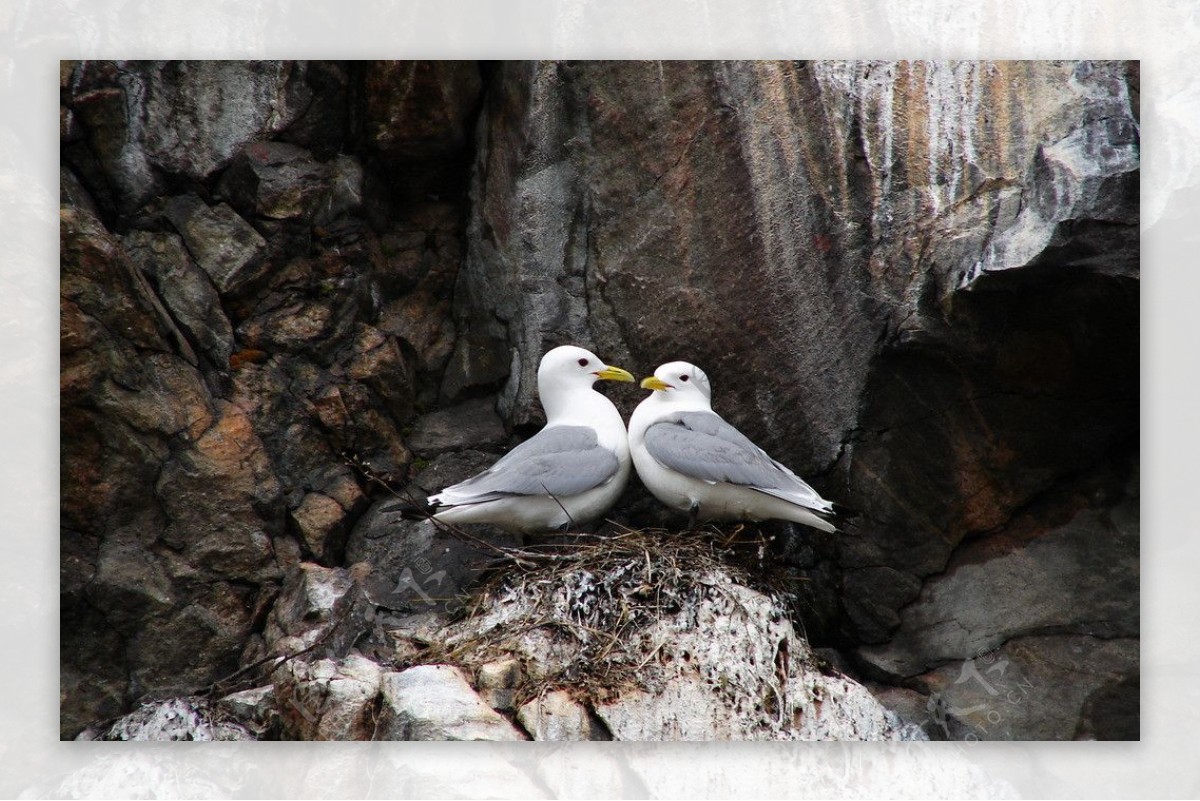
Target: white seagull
(569, 473)
(691, 459)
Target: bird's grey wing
(560, 461)
(702, 445)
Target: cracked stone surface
(1080, 578)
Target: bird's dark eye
(683, 378)
(583, 362)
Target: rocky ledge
(635, 636)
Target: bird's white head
(681, 383)
(567, 368)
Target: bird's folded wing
(703, 446)
(559, 461)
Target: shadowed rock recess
(293, 290)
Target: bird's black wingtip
(844, 512)
(409, 510)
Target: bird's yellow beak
(653, 382)
(614, 374)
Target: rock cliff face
(286, 285)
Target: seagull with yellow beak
(691, 459)
(569, 473)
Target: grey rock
(556, 716)
(345, 192)
(422, 628)
(149, 119)
(186, 290)
(911, 707)
(471, 425)
(435, 702)
(1081, 577)
(254, 708)
(898, 314)
(871, 597)
(111, 154)
(224, 104)
(478, 360)
(283, 181)
(1088, 174)
(220, 241)
(319, 609)
(1045, 687)
(451, 468)
(175, 719)
(623, 289)
(328, 699)
(427, 567)
(71, 192)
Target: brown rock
(221, 495)
(498, 681)
(379, 364)
(318, 518)
(420, 109)
(423, 321)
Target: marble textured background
(40, 34)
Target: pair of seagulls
(574, 469)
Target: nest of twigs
(586, 600)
